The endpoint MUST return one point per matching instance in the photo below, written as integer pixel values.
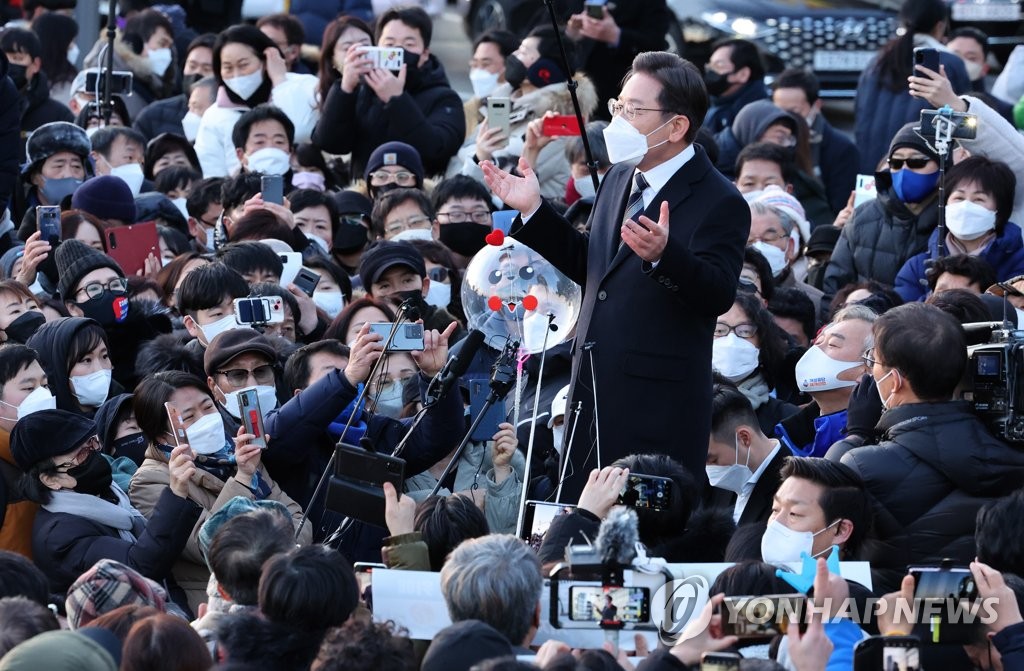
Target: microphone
(455, 367)
(618, 536)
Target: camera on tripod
(993, 382)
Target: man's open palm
(520, 193)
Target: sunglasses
(912, 163)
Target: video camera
(994, 380)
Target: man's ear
(743, 75)
(193, 227)
(426, 286)
(191, 326)
(240, 153)
(680, 127)
(212, 386)
(73, 309)
(57, 481)
(297, 391)
(435, 230)
(789, 188)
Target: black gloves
(864, 410)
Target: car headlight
(735, 24)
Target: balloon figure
(511, 291)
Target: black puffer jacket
(881, 237)
(428, 116)
(162, 116)
(934, 467)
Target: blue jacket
(300, 446)
(725, 108)
(838, 161)
(316, 14)
(1005, 254)
(879, 112)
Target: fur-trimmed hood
(126, 58)
(554, 98)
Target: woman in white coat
(250, 70)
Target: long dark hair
(894, 63)
(339, 327)
(772, 349)
(332, 33)
(253, 38)
(56, 32)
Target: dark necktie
(635, 203)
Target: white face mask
(73, 53)
(389, 401)
(558, 436)
(92, 389)
(320, 242)
(974, 70)
(439, 294)
(878, 385)
(246, 85)
(132, 175)
(776, 257)
(732, 476)
(190, 124)
(817, 371)
(782, 545)
(969, 221)
(483, 82)
(39, 399)
(414, 234)
(584, 186)
(214, 329)
(206, 435)
(626, 144)
(160, 60)
(734, 357)
(270, 161)
(266, 394)
(182, 205)
(331, 302)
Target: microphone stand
(566, 446)
(360, 397)
(502, 381)
(107, 102)
(533, 428)
(571, 84)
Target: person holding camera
(928, 462)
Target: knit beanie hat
(906, 137)
(396, 153)
(75, 260)
(106, 197)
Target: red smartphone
(177, 425)
(560, 126)
(252, 419)
(131, 245)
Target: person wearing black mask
(463, 217)
(20, 312)
(369, 106)
(393, 165)
(353, 230)
(92, 285)
(24, 51)
(734, 76)
(84, 516)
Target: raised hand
(366, 349)
(181, 469)
(602, 490)
(435, 350)
(648, 238)
(399, 513)
(385, 84)
(520, 193)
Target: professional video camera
(994, 380)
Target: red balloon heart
(494, 303)
(495, 237)
(530, 302)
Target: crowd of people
(771, 322)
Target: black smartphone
(595, 10)
(965, 126)
(356, 488)
(947, 589)
(926, 57)
(720, 661)
(538, 516)
(48, 222)
(120, 82)
(259, 310)
(272, 189)
(882, 653)
(478, 391)
(650, 492)
(252, 418)
(306, 280)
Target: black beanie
(75, 260)
(906, 137)
(106, 197)
(46, 434)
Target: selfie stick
(107, 102)
(571, 84)
(533, 426)
(403, 310)
(944, 127)
(502, 381)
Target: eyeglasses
(458, 216)
(382, 177)
(767, 236)
(628, 110)
(868, 357)
(744, 330)
(239, 376)
(439, 274)
(387, 381)
(96, 289)
(415, 222)
(93, 445)
(912, 163)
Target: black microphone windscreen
(412, 313)
(470, 347)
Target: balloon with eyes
(511, 291)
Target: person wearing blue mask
(887, 231)
(56, 164)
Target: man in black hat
(393, 165)
(370, 105)
(56, 156)
(353, 231)
(241, 359)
